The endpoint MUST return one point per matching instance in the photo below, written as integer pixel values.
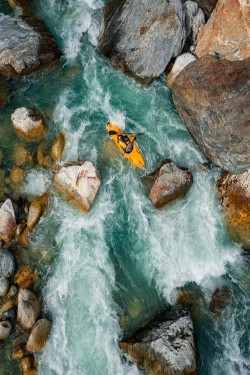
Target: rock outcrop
(7, 221)
(171, 183)
(29, 125)
(180, 63)
(227, 32)
(7, 264)
(28, 308)
(234, 191)
(165, 346)
(39, 335)
(212, 97)
(141, 37)
(79, 182)
(26, 45)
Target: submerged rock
(21, 156)
(23, 7)
(28, 308)
(7, 264)
(220, 300)
(26, 45)
(5, 328)
(39, 335)
(58, 147)
(37, 209)
(28, 365)
(79, 182)
(234, 191)
(180, 63)
(26, 277)
(17, 175)
(3, 91)
(215, 109)
(165, 346)
(7, 221)
(28, 124)
(171, 183)
(227, 32)
(141, 37)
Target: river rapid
(121, 263)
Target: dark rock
(141, 37)
(9, 314)
(7, 264)
(3, 91)
(20, 341)
(28, 308)
(234, 191)
(39, 335)
(212, 97)
(28, 365)
(206, 5)
(220, 300)
(171, 183)
(23, 7)
(26, 45)
(165, 346)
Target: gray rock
(5, 328)
(28, 308)
(7, 221)
(194, 19)
(206, 5)
(7, 264)
(26, 45)
(141, 37)
(4, 286)
(9, 314)
(165, 346)
(171, 183)
(212, 97)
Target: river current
(107, 271)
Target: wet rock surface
(205, 94)
(141, 37)
(227, 31)
(28, 308)
(220, 299)
(26, 45)
(234, 192)
(29, 125)
(58, 147)
(165, 346)
(39, 335)
(171, 183)
(37, 209)
(7, 264)
(26, 277)
(79, 182)
(7, 221)
(22, 7)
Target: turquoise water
(109, 270)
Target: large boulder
(141, 37)
(37, 209)
(28, 308)
(234, 191)
(39, 335)
(171, 183)
(7, 264)
(79, 182)
(212, 97)
(165, 346)
(227, 32)
(29, 125)
(7, 221)
(26, 45)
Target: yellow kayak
(134, 154)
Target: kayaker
(126, 143)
